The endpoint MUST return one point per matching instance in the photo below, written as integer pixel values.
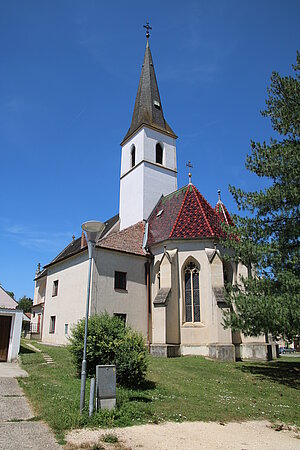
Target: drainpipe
(42, 321)
(148, 300)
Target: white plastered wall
(142, 186)
(38, 299)
(69, 305)
(39, 290)
(132, 301)
(209, 330)
(165, 318)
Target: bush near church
(110, 342)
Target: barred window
(192, 294)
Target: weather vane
(190, 166)
(147, 26)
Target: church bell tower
(148, 166)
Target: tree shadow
(134, 398)
(146, 385)
(285, 372)
(24, 350)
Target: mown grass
(179, 389)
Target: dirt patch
(253, 435)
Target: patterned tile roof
(223, 213)
(184, 214)
(129, 240)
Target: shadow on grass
(287, 373)
(24, 350)
(146, 385)
(133, 398)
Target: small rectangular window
(121, 316)
(66, 328)
(52, 324)
(120, 280)
(55, 288)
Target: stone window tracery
(192, 292)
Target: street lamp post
(93, 230)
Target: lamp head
(93, 229)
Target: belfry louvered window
(192, 294)
(133, 156)
(159, 154)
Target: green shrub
(110, 342)
(110, 438)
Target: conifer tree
(267, 240)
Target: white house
(158, 263)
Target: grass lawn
(179, 389)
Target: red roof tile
(129, 240)
(223, 213)
(184, 214)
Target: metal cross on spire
(147, 26)
(190, 166)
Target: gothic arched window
(133, 156)
(159, 154)
(192, 293)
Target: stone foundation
(165, 350)
(256, 351)
(222, 352)
(194, 350)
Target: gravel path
(255, 435)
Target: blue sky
(69, 72)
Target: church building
(158, 264)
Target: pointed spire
(148, 108)
(221, 210)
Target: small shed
(10, 327)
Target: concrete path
(11, 370)
(18, 427)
